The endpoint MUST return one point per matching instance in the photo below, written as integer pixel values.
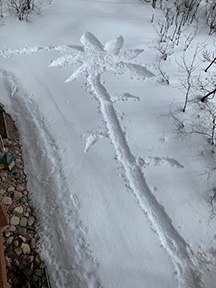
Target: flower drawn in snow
(96, 58)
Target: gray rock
(7, 200)
(8, 261)
(14, 220)
(37, 259)
(20, 188)
(16, 243)
(18, 251)
(4, 174)
(33, 243)
(18, 210)
(31, 220)
(23, 222)
(7, 234)
(20, 230)
(23, 200)
(25, 193)
(17, 195)
(30, 258)
(39, 272)
(2, 191)
(25, 248)
(18, 160)
(28, 210)
(22, 238)
(11, 228)
(11, 189)
(30, 234)
(9, 240)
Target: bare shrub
(187, 67)
(163, 74)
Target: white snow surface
(121, 199)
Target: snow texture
(120, 200)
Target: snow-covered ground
(122, 199)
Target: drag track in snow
(62, 246)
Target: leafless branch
(213, 61)
(187, 68)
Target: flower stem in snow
(177, 248)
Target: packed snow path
(72, 266)
(96, 59)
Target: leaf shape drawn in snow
(131, 54)
(79, 73)
(90, 141)
(63, 61)
(69, 48)
(135, 70)
(8, 53)
(114, 45)
(90, 42)
(94, 136)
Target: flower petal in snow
(69, 48)
(8, 53)
(131, 54)
(66, 60)
(135, 70)
(77, 74)
(90, 42)
(114, 45)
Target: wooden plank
(5, 125)
(3, 216)
(3, 222)
(2, 125)
(3, 273)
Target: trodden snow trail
(67, 266)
